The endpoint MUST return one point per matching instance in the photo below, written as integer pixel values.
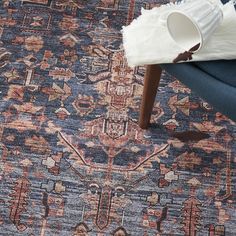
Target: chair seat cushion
(223, 70)
(221, 95)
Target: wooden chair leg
(151, 82)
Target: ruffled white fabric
(147, 41)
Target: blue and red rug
(73, 159)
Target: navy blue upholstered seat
(214, 81)
(224, 71)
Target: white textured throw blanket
(147, 41)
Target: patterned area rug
(73, 159)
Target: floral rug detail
(73, 158)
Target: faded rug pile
(73, 160)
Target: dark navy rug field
(73, 160)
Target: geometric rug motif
(73, 160)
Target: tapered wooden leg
(151, 82)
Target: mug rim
(193, 21)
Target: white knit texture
(147, 41)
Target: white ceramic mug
(193, 22)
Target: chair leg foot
(151, 82)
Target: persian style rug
(73, 160)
